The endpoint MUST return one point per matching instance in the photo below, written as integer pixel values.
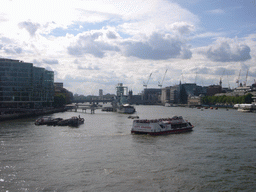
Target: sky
(96, 44)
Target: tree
(211, 100)
(248, 98)
(59, 101)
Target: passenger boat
(161, 126)
(245, 107)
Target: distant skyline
(96, 44)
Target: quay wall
(32, 113)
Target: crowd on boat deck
(158, 120)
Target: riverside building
(24, 86)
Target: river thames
(102, 154)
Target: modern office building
(171, 94)
(100, 93)
(24, 86)
(151, 96)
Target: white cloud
(30, 27)
(50, 61)
(157, 47)
(227, 50)
(12, 50)
(90, 43)
(182, 28)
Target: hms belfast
(120, 104)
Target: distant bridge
(93, 101)
(83, 107)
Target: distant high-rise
(101, 94)
(24, 86)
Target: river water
(102, 155)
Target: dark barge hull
(188, 129)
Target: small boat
(161, 126)
(43, 120)
(133, 117)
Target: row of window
(23, 82)
(26, 99)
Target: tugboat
(161, 126)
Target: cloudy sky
(95, 44)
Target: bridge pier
(92, 110)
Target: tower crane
(146, 84)
(246, 78)
(222, 77)
(161, 84)
(228, 81)
(237, 81)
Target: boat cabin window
(180, 125)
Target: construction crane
(246, 78)
(228, 81)
(222, 77)
(146, 84)
(237, 81)
(161, 84)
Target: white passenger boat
(245, 107)
(161, 126)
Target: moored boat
(76, 121)
(73, 121)
(245, 107)
(161, 126)
(54, 122)
(126, 109)
(43, 120)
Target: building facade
(171, 94)
(151, 96)
(24, 86)
(60, 90)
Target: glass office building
(24, 86)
